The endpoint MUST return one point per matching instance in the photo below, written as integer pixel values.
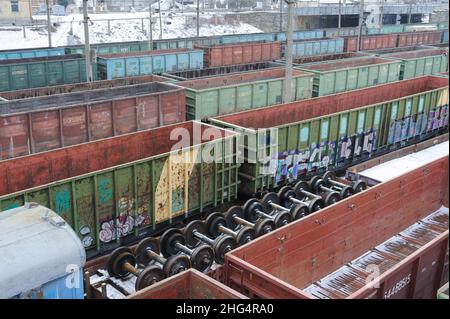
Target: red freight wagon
(328, 253)
(241, 53)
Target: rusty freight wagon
(350, 74)
(69, 88)
(118, 188)
(419, 38)
(190, 284)
(370, 42)
(388, 242)
(218, 71)
(240, 53)
(290, 141)
(236, 92)
(39, 124)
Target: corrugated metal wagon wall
(286, 262)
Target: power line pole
(340, 14)
(360, 24)
(160, 20)
(87, 46)
(287, 92)
(49, 24)
(281, 15)
(150, 27)
(198, 18)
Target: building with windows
(15, 12)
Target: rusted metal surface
(69, 88)
(283, 263)
(234, 79)
(190, 284)
(38, 169)
(219, 71)
(328, 57)
(348, 280)
(419, 38)
(241, 53)
(370, 42)
(40, 124)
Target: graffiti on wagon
(292, 163)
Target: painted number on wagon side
(397, 287)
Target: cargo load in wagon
(327, 57)
(115, 189)
(112, 66)
(190, 284)
(399, 166)
(420, 62)
(70, 88)
(18, 74)
(218, 71)
(29, 126)
(394, 235)
(237, 92)
(353, 172)
(291, 141)
(350, 74)
(239, 53)
(40, 254)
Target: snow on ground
(174, 25)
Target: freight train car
(222, 70)
(394, 235)
(370, 42)
(419, 38)
(29, 126)
(420, 62)
(114, 190)
(30, 53)
(20, 74)
(236, 92)
(112, 66)
(190, 284)
(241, 53)
(78, 87)
(295, 140)
(350, 74)
(316, 47)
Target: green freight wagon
(112, 66)
(20, 74)
(300, 35)
(30, 53)
(187, 43)
(386, 28)
(350, 74)
(119, 189)
(111, 48)
(316, 47)
(293, 141)
(420, 62)
(249, 37)
(218, 95)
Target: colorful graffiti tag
(294, 163)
